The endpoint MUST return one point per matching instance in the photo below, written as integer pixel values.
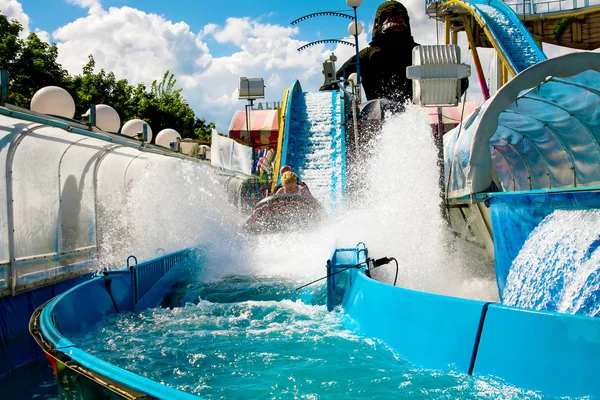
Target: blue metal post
(144, 132)
(357, 49)
(4, 86)
(92, 114)
(330, 286)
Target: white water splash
(174, 205)
(171, 205)
(398, 216)
(558, 267)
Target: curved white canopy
(540, 131)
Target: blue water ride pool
(522, 180)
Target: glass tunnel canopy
(540, 131)
(52, 174)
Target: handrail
(529, 7)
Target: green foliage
(32, 64)
(562, 25)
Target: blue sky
(209, 45)
(48, 15)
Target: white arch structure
(53, 172)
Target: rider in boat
(282, 171)
(289, 181)
(292, 207)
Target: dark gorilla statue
(383, 63)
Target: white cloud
(92, 5)
(133, 44)
(13, 10)
(139, 47)
(265, 50)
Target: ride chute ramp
(312, 141)
(510, 38)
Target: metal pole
(3, 86)
(92, 114)
(484, 87)
(354, 121)
(357, 50)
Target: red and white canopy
(264, 127)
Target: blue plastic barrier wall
(514, 216)
(429, 330)
(132, 289)
(17, 347)
(556, 354)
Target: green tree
(31, 63)
(101, 88)
(10, 44)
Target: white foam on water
(558, 266)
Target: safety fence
(146, 274)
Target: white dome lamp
(107, 118)
(353, 77)
(355, 28)
(166, 136)
(354, 3)
(134, 129)
(53, 100)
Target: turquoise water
(243, 338)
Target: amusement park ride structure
(551, 22)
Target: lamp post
(355, 28)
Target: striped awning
(264, 127)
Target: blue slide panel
(83, 307)
(296, 88)
(516, 214)
(429, 330)
(513, 38)
(555, 353)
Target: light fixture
(354, 3)
(355, 28)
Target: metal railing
(534, 7)
(148, 273)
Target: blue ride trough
(549, 352)
(72, 313)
